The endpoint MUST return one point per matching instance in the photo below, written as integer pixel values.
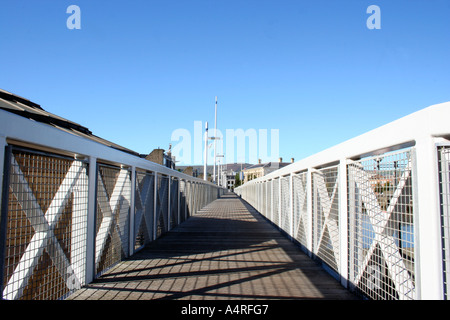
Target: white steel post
(279, 203)
(429, 270)
(291, 205)
(4, 164)
(266, 213)
(260, 197)
(169, 207)
(132, 211)
(92, 206)
(78, 237)
(215, 138)
(189, 199)
(155, 214)
(353, 250)
(309, 191)
(3, 145)
(343, 222)
(185, 194)
(178, 201)
(271, 200)
(194, 197)
(205, 165)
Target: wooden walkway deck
(226, 252)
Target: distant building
(195, 171)
(229, 181)
(227, 172)
(261, 169)
(160, 157)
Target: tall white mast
(215, 138)
(205, 171)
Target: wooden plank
(226, 251)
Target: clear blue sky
(138, 70)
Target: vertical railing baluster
(343, 222)
(132, 231)
(5, 162)
(429, 275)
(92, 208)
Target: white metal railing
(373, 210)
(444, 193)
(72, 208)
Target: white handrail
(16, 128)
(429, 122)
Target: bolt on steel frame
(373, 210)
(72, 208)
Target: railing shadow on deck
(221, 246)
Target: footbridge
(227, 251)
(84, 218)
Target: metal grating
(112, 216)
(183, 208)
(188, 198)
(269, 199)
(264, 198)
(325, 205)
(300, 220)
(381, 225)
(162, 205)
(275, 200)
(285, 205)
(46, 226)
(45, 214)
(444, 193)
(191, 197)
(174, 217)
(144, 208)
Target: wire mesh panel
(198, 197)
(144, 208)
(194, 198)
(269, 199)
(174, 218)
(46, 226)
(162, 205)
(285, 205)
(201, 195)
(325, 204)
(275, 200)
(444, 192)
(256, 196)
(300, 219)
(264, 198)
(188, 198)
(381, 226)
(112, 216)
(183, 209)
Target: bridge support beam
(3, 146)
(90, 232)
(343, 223)
(131, 232)
(429, 270)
